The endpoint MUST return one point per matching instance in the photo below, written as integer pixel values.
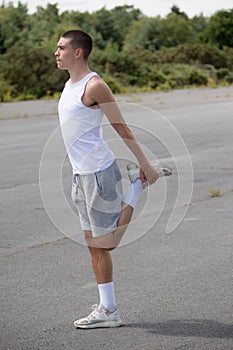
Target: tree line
(132, 52)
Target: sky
(148, 7)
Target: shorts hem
(85, 226)
(103, 232)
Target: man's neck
(77, 74)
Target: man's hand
(148, 174)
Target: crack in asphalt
(37, 245)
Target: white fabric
(107, 295)
(133, 192)
(81, 130)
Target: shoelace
(95, 311)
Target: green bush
(197, 77)
(156, 78)
(131, 51)
(222, 73)
(194, 53)
(229, 78)
(6, 91)
(24, 97)
(115, 85)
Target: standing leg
(105, 314)
(102, 267)
(101, 261)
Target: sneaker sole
(162, 170)
(166, 170)
(107, 324)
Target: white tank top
(81, 130)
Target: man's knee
(102, 245)
(107, 242)
(98, 255)
(109, 249)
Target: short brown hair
(80, 39)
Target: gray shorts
(98, 198)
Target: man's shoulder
(95, 82)
(97, 91)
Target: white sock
(132, 193)
(107, 295)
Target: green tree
(13, 25)
(199, 24)
(175, 9)
(131, 50)
(176, 30)
(83, 21)
(76, 20)
(220, 29)
(144, 34)
(113, 25)
(35, 72)
(103, 24)
(43, 24)
(122, 17)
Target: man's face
(65, 54)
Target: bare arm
(99, 92)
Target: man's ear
(79, 53)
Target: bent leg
(111, 240)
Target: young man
(104, 213)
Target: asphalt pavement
(174, 289)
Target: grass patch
(214, 192)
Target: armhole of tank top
(84, 88)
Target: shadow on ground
(188, 328)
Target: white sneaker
(100, 318)
(134, 170)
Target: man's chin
(60, 67)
